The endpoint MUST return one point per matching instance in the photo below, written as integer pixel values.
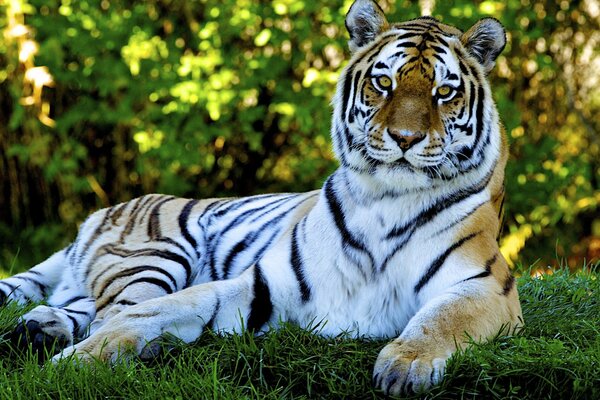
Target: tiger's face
(413, 105)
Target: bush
(230, 97)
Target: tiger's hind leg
(57, 325)
(36, 283)
(68, 310)
(226, 306)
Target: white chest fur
(365, 262)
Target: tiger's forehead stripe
(420, 51)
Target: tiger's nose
(406, 139)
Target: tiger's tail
(36, 283)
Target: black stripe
(348, 136)
(71, 301)
(167, 255)
(215, 205)
(153, 226)
(239, 203)
(501, 218)
(463, 67)
(471, 105)
(235, 251)
(261, 307)
(375, 51)
(442, 204)
(411, 60)
(406, 36)
(441, 40)
(133, 215)
(488, 269)
(278, 205)
(255, 234)
(298, 267)
(211, 322)
(490, 262)
(439, 261)
(479, 115)
(238, 220)
(149, 279)
(153, 281)
(348, 78)
(251, 238)
(214, 240)
(405, 45)
(183, 219)
(172, 242)
(264, 248)
(126, 303)
(67, 251)
(97, 232)
(73, 250)
(129, 272)
(336, 136)
(40, 286)
(11, 287)
(70, 310)
(75, 324)
(466, 153)
(116, 214)
(438, 49)
(508, 285)
(351, 111)
(461, 219)
(418, 25)
(406, 69)
(335, 208)
(439, 58)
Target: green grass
(556, 356)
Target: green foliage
(547, 360)
(230, 97)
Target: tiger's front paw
(117, 342)
(404, 367)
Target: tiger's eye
(384, 82)
(444, 90)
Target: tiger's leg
(135, 289)
(36, 283)
(416, 360)
(56, 325)
(67, 314)
(226, 305)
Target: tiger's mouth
(413, 159)
(434, 164)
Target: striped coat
(400, 242)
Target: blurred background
(102, 101)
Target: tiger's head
(413, 107)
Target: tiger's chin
(410, 171)
(399, 176)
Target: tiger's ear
(364, 21)
(485, 41)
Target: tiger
(399, 243)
